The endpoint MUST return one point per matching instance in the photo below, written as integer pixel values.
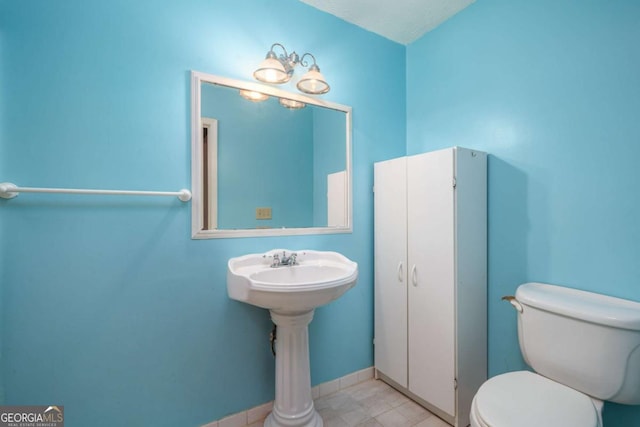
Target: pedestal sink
(291, 284)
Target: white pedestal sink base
(291, 291)
(293, 406)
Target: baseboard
(255, 414)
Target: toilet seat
(526, 399)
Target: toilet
(584, 349)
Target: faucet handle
(276, 260)
(292, 258)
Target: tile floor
(372, 403)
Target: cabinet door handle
(400, 275)
(414, 275)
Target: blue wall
(109, 307)
(551, 89)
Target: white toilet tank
(587, 341)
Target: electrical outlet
(263, 213)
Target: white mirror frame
(197, 221)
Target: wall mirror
(267, 162)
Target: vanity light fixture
(292, 104)
(254, 96)
(279, 69)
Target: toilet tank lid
(582, 305)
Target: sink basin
(316, 279)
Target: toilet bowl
(584, 349)
(526, 399)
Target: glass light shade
(313, 82)
(253, 95)
(292, 104)
(271, 71)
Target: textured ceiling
(402, 21)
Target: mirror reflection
(269, 162)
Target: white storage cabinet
(431, 278)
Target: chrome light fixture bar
(279, 69)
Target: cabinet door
(390, 243)
(431, 278)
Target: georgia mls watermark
(31, 416)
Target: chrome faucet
(288, 260)
(285, 260)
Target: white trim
(197, 78)
(257, 413)
(196, 154)
(212, 161)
